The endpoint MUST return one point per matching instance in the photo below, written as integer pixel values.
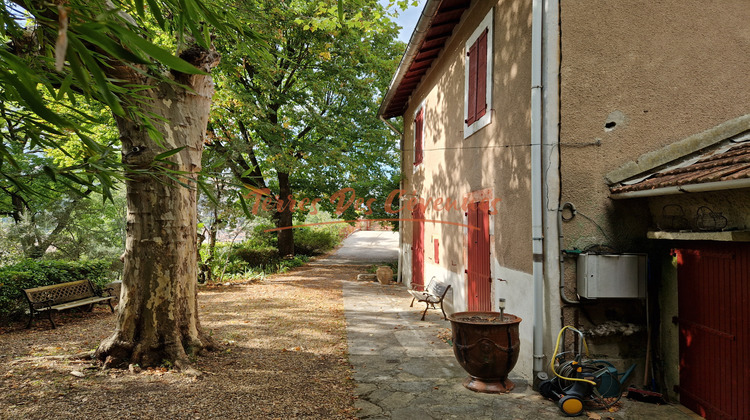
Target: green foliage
(304, 102)
(34, 273)
(10, 251)
(248, 260)
(253, 256)
(58, 60)
(258, 255)
(262, 236)
(315, 241)
(75, 225)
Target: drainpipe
(392, 127)
(554, 264)
(537, 235)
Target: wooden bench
(61, 296)
(434, 293)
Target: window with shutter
(472, 93)
(418, 137)
(478, 78)
(481, 96)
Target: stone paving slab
(403, 370)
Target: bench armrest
(110, 291)
(47, 304)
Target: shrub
(259, 252)
(287, 263)
(34, 273)
(248, 258)
(260, 237)
(254, 256)
(315, 241)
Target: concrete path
(365, 248)
(404, 370)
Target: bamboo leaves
(57, 61)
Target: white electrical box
(612, 276)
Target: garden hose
(557, 347)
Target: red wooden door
(417, 259)
(479, 280)
(714, 324)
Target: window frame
(485, 26)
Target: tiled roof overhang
(725, 168)
(424, 47)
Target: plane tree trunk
(157, 317)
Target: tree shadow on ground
(281, 353)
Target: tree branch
(238, 164)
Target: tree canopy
(298, 91)
(58, 60)
(295, 116)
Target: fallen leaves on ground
(282, 354)
(446, 335)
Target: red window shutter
(472, 94)
(481, 98)
(437, 251)
(418, 129)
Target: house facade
(588, 162)
(451, 164)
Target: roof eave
(412, 49)
(692, 144)
(681, 189)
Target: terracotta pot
(385, 274)
(487, 348)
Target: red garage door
(714, 322)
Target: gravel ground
(282, 354)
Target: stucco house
(588, 162)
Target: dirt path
(282, 354)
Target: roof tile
(731, 164)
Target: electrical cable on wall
(574, 212)
(507, 146)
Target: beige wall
(661, 71)
(664, 70)
(734, 205)
(495, 158)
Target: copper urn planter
(486, 345)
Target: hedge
(34, 273)
(254, 256)
(315, 241)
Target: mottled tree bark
(157, 317)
